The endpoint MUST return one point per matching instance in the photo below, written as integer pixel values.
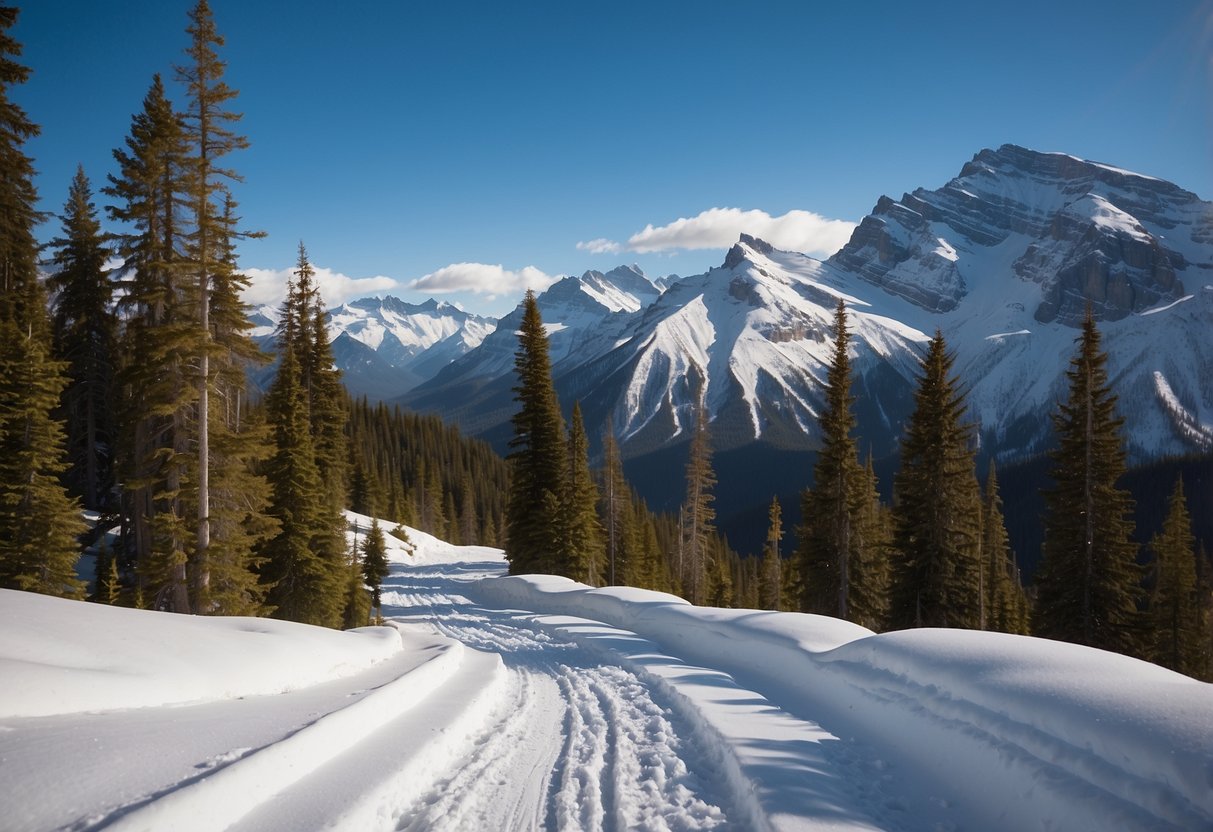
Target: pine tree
(771, 581)
(240, 439)
(829, 548)
(1004, 604)
(615, 501)
(302, 585)
(537, 454)
(581, 533)
(85, 329)
(871, 539)
(935, 572)
(375, 563)
(698, 513)
(208, 129)
(1176, 631)
(154, 396)
(39, 523)
(1088, 581)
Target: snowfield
(534, 702)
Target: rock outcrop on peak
(1084, 231)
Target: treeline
(415, 469)
(938, 556)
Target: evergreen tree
(616, 498)
(375, 563)
(833, 547)
(871, 538)
(1088, 581)
(302, 584)
(85, 329)
(358, 603)
(1176, 631)
(39, 523)
(935, 574)
(240, 440)
(1004, 604)
(537, 454)
(582, 535)
(771, 581)
(154, 396)
(698, 514)
(210, 135)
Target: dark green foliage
(1178, 638)
(1088, 583)
(154, 396)
(771, 581)
(936, 559)
(303, 585)
(374, 562)
(537, 455)
(842, 549)
(85, 329)
(697, 571)
(39, 523)
(1004, 604)
(401, 452)
(616, 501)
(581, 533)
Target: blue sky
(416, 147)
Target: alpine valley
(1003, 259)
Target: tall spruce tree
(209, 130)
(154, 393)
(771, 581)
(582, 547)
(935, 568)
(1176, 628)
(698, 516)
(1088, 584)
(375, 563)
(1004, 606)
(537, 453)
(85, 330)
(830, 550)
(38, 521)
(616, 497)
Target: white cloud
(483, 279)
(268, 286)
(801, 231)
(600, 245)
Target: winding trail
(601, 748)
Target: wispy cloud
(802, 231)
(600, 245)
(482, 279)
(268, 286)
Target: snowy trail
(576, 742)
(125, 760)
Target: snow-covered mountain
(584, 316)
(386, 346)
(1003, 259)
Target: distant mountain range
(1003, 259)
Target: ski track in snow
(601, 750)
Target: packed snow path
(573, 742)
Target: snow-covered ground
(537, 703)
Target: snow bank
(1075, 736)
(72, 656)
(421, 549)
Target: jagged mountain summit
(1003, 259)
(584, 316)
(385, 346)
